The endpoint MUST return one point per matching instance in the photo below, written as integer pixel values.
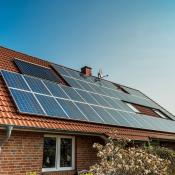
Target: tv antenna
(100, 75)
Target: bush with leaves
(164, 153)
(115, 158)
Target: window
(161, 114)
(49, 154)
(133, 108)
(58, 153)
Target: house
(51, 115)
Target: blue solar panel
(134, 92)
(26, 102)
(55, 89)
(110, 92)
(119, 118)
(97, 89)
(108, 84)
(131, 118)
(72, 110)
(36, 71)
(105, 87)
(85, 86)
(143, 121)
(36, 85)
(51, 99)
(108, 119)
(60, 69)
(123, 105)
(74, 74)
(14, 80)
(101, 100)
(113, 102)
(89, 113)
(72, 93)
(87, 97)
(51, 106)
(72, 82)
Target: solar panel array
(106, 88)
(36, 71)
(41, 97)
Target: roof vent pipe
(86, 71)
(7, 136)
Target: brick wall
(24, 152)
(21, 154)
(86, 154)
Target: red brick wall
(21, 154)
(86, 154)
(24, 152)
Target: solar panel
(51, 107)
(14, 80)
(36, 85)
(72, 110)
(26, 102)
(104, 115)
(60, 69)
(72, 93)
(55, 89)
(119, 118)
(36, 71)
(87, 97)
(41, 97)
(76, 74)
(72, 82)
(100, 100)
(134, 92)
(131, 118)
(89, 112)
(85, 86)
(145, 124)
(97, 89)
(108, 84)
(73, 73)
(123, 106)
(105, 87)
(113, 102)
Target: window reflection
(49, 152)
(66, 152)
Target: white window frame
(57, 156)
(160, 113)
(132, 107)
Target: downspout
(7, 136)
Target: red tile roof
(10, 116)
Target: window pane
(49, 152)
(66, 152)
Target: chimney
(87, 71)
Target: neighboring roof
(10, 116)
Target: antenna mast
(100, 75)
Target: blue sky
(131, 40)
